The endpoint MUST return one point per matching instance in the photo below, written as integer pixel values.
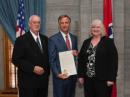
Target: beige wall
(127, 48)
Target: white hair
(98, 22)
(30, 18)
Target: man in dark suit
(30, 55)
(63, 85)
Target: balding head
(33, 17)
(34, 23)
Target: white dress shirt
(63, 34)
(36, 36)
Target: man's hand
(38, 70)
(63, 75)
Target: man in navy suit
(30, 55)
(63, 85)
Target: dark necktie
(39, 45)
(67, 42)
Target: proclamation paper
(67, 63)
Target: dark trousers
(64, 88)
(96, 88)
(33, 92)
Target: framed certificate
(67, 63)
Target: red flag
(107, 20)
(20, 27)
(114, 90)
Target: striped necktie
(67, 42)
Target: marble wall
(127, 49)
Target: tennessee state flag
(107, 20)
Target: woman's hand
(75, 52)
(81, 81)
(110, 83)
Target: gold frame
(6, 47)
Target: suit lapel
(43, 43)
(100, 44)
(62, 41)
(33, 43)
(72, 41)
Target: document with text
(67, 63)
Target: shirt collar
(63, 34)
(34, 36)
